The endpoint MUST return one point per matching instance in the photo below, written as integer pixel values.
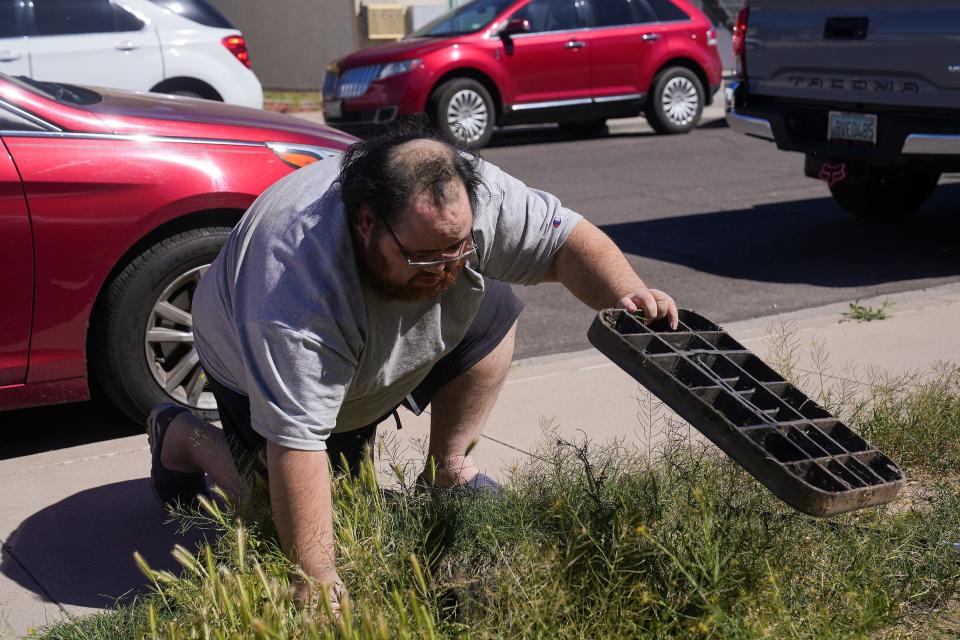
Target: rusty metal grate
(788, 442)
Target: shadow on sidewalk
(29, 431)
(79, 551)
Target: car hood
(402, 50)
(127, 112)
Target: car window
(611, 13)
(9, 19)
(468, 18)
(667, 11)
(62, 17)
(199, 11)
(642, 13)
(125, 20)
(550, 15)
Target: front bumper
(382, 102)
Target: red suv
(501, 62)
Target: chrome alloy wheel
(170, 350)
(467, 116)
(680, 101)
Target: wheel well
(198, 220)
(687, 63)
(473, 74)
(199, 87)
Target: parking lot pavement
(73, 517)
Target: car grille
(330, 85)
(352, 84)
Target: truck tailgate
(882, 52)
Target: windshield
(468, 18)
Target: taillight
(238, 47)
(740, 41)
(740, 32)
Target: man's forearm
(593, 268)
(302, 511)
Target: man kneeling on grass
(356, 285)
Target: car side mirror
(516, 25)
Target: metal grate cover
(805, 456)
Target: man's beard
(373, 267)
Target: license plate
(332, 109)
(852, 127)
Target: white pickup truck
(869, 91)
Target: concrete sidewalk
(72, 518)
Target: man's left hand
(654, 304)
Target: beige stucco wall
(292, 41)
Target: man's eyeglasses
(420, 260)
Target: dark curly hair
(371, 176)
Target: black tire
(122, 364)
(886, 194)
(585, 129)
(682, 88)
(472, 101)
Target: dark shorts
(498, 311)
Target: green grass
(860, 313)
(293, 101)
(606, 542)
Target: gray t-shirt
(283, 316)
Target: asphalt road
(726, 224)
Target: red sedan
(112, 204)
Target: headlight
(300, 155)
(394, 68)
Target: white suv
(184, 47)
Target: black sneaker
(482, 483)
(170, 487)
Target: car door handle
(126, 45)
(9, 56)
(575, 44)
(650, 37)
